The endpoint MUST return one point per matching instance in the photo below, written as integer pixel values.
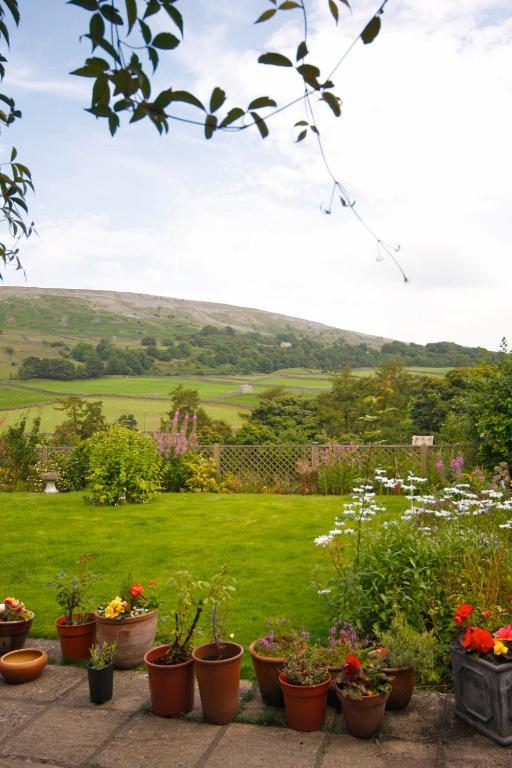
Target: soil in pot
(267, 670)
(14, 633)
(403, 681)
(363, 716)
(101, 683)
(133, 636)
(76, 639)
(171, 686)
(218, 680)
(23, 665)
(305, 704)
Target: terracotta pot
(134, 636)
(171, 686)
(332, 697)
(23, 665)
(305, 704)
(76, 639)
(14, 633)
(402, 686)
(363, 716)
(218, 680)
(267, 670)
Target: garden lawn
(267, 540)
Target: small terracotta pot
(76, 640)
(14, 633)
(402, 686)
(267, 670)
(363, 716)
(134, 637)
(305, 704)
(218, 680)
(23, 665)
(171, 686)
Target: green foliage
(102, 656)
(84, 419)
(203, 474)
(71, 591)
(175, 472)
(18, 447)
(305, 664)
(407, 647)
(77, 468)
(288, 418)
(124, 466)
(7, 479)
(58, 462)
(127, 420)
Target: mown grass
(267, 540)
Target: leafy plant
(279, 638)
(133, 600)
(71, 591)
(305, 663)
(102, 656)
(203, 474)
(362, 676)
(407, 647)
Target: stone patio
(52, 723)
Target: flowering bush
(343, 640)
(305, 664)
(278, 639)
(12, 609)
(493, 644)
(133, 601)
(203, 474)
(362, 675)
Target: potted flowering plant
(305, 682)
(268, 657)
(170, 665)
(76, 627)
(482, 670)
(129, 621)
(15, 623)
(363, 689)
(100, 672)
(342, 641)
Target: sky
(423, 146)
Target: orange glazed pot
(171, 686)
(76, 640)
(23, 665)
(267, 670)
(403, 681)
(305, 704)
(363, 716)
(14, 633)
(218, 680)
(134, 636)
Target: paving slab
(249, 746)
(65, 735)
(131, 692)
(15, 763)
(14, 715)
(52, 683)
(146, 741)
(52, 647)
(422, 720)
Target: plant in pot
(100, 672)
(408, 653)
(268, 657)
(15, 623)
(76, 627)
(170, 665)
(305, 683)
(482, 670)
(129, 621)
(218, 662)
(342, 640)
(363, 689)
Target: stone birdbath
(50, 478)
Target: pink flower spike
(504, 633)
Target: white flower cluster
(457, 501)
(361, 509)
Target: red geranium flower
(487, 613)
(462, 613)
(136, 590)
(478, 639)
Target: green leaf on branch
(93, 67)
(187, 98)
(260, 124)
(333, 102)
(145, 32)
(152, 7)
(302, 135)
(87, 5)
(210, 125)
(371, 30)
(175, 15)
(301, 122)
(96, 28)
(310, 75)
(334, 10)
(275, 60)
(13, 7)
(302, 51)
(165, 41)
(131, 13)
(153, 57)
(234, 114)
(101, 91)
(266, 15)
(261, 102)
(111, 14)
(217, 99)
(113, 124)
(288, 5)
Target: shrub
(406, 647)
(20, 447)
(175, 473)
(78, 466)
(7, 479)
(203, 474)
(124, 467)
(58, 462)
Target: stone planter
(483, 695)
(133, 636)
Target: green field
(131, 386)
(266, 540)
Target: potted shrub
(129, 621)
(268, 659)
(170, 665)
(363, 689)
(408, 652)
(342, 641)
(15, 623)
(100, 672)
(218, 663)
(482, 671)
(76, 628)
(305, 683)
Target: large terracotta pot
(402, 686)
(23, 665)
(218, 680)
(171, 686)
(267, 670)
(134, 637)
(76, 639)
(363, 716)
(305, 704)
(14, 633)
(332, 697)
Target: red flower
(152, 582)
(486, 613)
(478, 639)
(462, 613)
(136, 590)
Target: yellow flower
(115, 608)
(500, 648)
